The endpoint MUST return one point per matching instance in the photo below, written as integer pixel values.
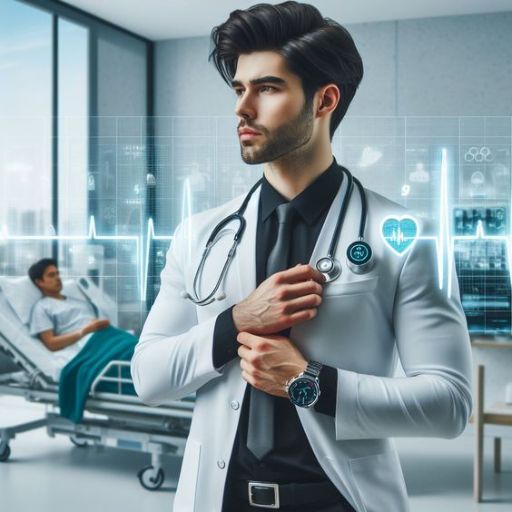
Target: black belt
(272, 495)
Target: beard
(292, 135)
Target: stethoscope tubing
(238, 215)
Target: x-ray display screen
(493, 220)
(483, 270)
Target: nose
(245, 107)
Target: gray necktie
(260, 432)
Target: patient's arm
(58, 342)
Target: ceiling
(169, 19)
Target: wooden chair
(498, 414)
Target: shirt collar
(311, 202)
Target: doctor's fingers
(291, 291)
(309, 302)
(255, 377)
(247, 367)
(250, 379)
(300, 273)
(245, 353)
(253, 359)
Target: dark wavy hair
(36, 271)
(317, 49)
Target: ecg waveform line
(444, 241)
(397, 237)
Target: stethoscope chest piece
(330, 268)
(359, 257)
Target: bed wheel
(149, 480)
(81, 443)
(5, 452)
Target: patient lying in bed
(84, 343)
(62, 323)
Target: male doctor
(295, 396)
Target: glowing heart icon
(400, 233)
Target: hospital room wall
(119, 166)
(444, 66)
(455, 65)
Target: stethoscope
(359, 253)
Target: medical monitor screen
(483, 270)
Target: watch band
(313, 368)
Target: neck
(54, 295)
(293, 173)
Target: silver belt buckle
(267, 485)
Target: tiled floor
(46, 474)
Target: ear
(329, 99)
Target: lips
(247, 131)
(248, 136)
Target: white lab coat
(363, 324)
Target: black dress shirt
(292, 459)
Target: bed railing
(117, 378)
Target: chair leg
(497, 454)
(479, 434)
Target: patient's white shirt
(63, 316)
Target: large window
(73, 127)
(73, 113)
(25, 133)
(76, 257)
(28, 142)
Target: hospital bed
(114, 419)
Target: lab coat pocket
(350, 287)
(380, 482)
(187, 484)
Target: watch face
(303, 392)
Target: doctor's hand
(268, 362)
(283, 300)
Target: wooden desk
(498, 414)
(491, 341)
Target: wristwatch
(304, 389)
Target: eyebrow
(263, 80)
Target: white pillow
(22, 294)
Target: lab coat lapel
(323, 241)
(304, 332)
(245, 256)
(246, 251)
